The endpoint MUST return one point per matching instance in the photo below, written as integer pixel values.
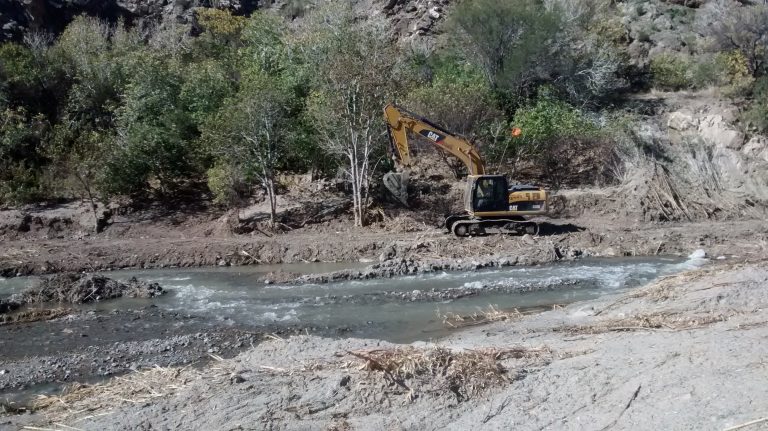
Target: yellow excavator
(489, 202)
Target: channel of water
(401, 309)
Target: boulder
(716, 131)
(756, 148)
(681, 121)
(731, 166)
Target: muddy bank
(343, 243)
(682, 353)
(399, 267)
(63, 290)
(73, 288)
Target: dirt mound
(83, 288)
(29, 316)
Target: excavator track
(464, 226)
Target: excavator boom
(400, 122)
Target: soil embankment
(420, 250)
(682, 353)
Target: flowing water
(402, 309)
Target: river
(402, 309)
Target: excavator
(489, 202)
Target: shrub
(225, 183)
(756, 114)
(20, 185)
(555, 136)
(669, 72)
(740, 28)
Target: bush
(741, 28)
(226, 184)
(20, 185)
(707, 72)
(458, 98)
(670, 72)
(756, 115)
(549, 119)
(561, 144)
(724, 69)
(155, 133)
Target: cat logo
(432, 136)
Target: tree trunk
(269, 185)
(98, 222)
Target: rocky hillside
(19, 16)
(408, 17)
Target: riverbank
(420, 249)
(685, 352)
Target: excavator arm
(400, 122)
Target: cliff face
(18, 16)
(408, 17)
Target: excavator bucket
(397, 184)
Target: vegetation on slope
(104, 110)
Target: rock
(756, 147)
(663, 23)
(716, 131)
(388, 253)
(345, 381)
(731, 166)
(681, 121)
(698, 254)
(8, 305)
(3, 372)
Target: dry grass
(80, 400)
(28, 316)
(481, 317)
(404, 223)
(655, 321)
(671, 287)
(464, 373)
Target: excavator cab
(486, 193)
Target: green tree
(205, 87)
(98, 60)
(510, 40)
(458, 98)
(154, 133)
(20, 136)
(357, 70)
(221, 36)
(251, 133)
